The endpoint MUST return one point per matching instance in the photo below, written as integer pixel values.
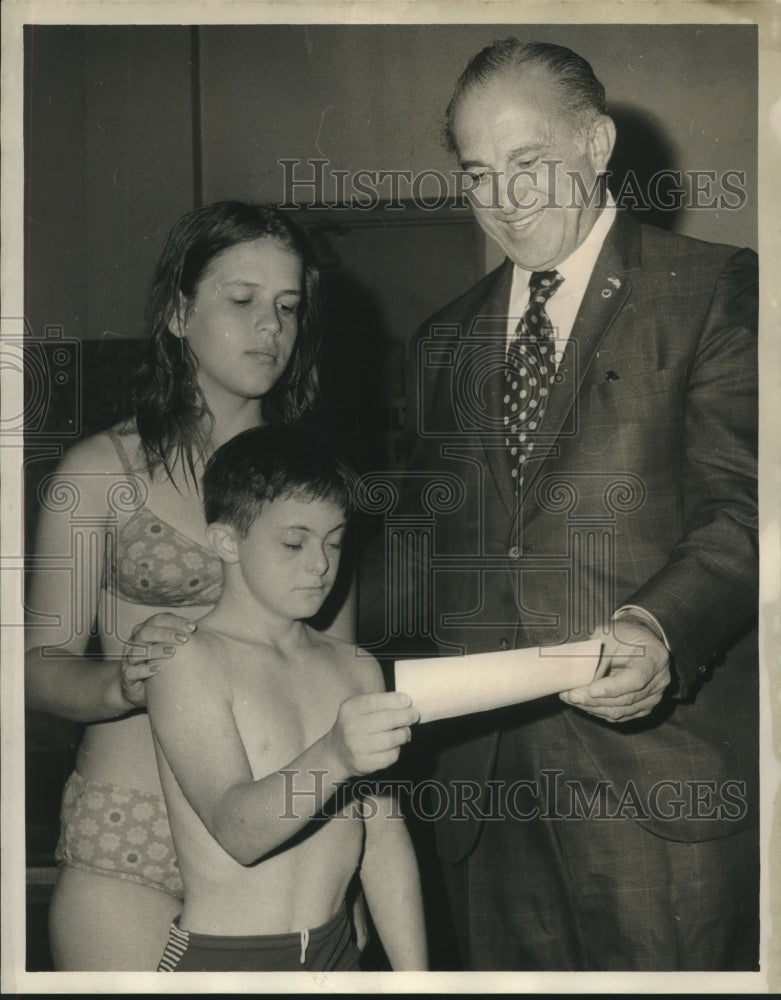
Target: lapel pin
(615, 282)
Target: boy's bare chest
(280, 713)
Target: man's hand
(632, 674)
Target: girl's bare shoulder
(91, 471)
(101, 452)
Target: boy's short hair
(263, 464)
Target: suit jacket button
(513, 552)
(504, 644)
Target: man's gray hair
(583, 96)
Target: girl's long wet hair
(171, 414)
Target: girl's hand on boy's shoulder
(151, 643)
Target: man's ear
(222, 538)
(176, 321)
(601, 140)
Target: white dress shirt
(562, 307)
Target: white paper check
(445, 686)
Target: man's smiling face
(525, 154)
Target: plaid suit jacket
(642, 490)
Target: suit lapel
(495, 311)
(606, 294)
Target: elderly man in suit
(595, 398)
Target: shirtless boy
(260, 720)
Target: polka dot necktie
(530, 370)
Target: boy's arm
(190, 709)
(390, 879)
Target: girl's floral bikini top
(149, 561)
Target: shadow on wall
(357, 373)
(643, 174)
